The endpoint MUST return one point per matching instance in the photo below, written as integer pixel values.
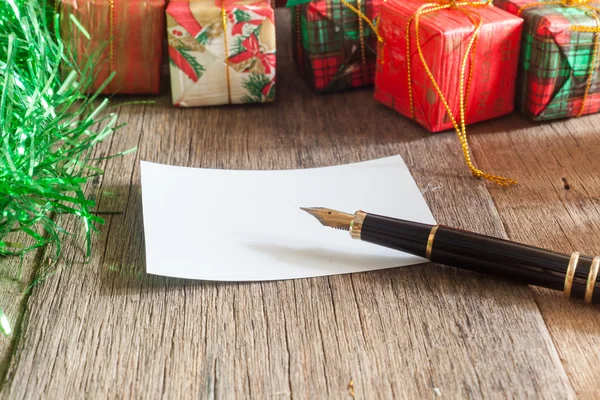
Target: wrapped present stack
(334, 48)
(126, 38)
(558, 71)
(221, 51)
(421, 79)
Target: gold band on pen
(570, 274)
(356, 224)
(591, 282)
(430, 242)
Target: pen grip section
(510, 260)
(406, 236)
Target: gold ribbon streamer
(461, 129)
(224, 19)
(362, 17)
(112, 38)
(299, 36)
(362, 41)
(585, 7)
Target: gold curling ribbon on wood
(461, 130)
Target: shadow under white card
(226, 225)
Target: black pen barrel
(483, 254)
(407, 236)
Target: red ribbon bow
(253, 50)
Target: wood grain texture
(17, 274)
(557, 205)
(105, 328)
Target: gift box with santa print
(221, 52)
(125, 37)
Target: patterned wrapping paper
(444, 37)
(210, 68)
(334, 49)
(556, 60)
(135, 50)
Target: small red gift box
(126, 36)
(447, 36)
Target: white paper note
(226, 225)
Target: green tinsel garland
(48, 128)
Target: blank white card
(226, 225)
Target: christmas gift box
(448, 64)
(421, 78)
(221, 51)
(334, 48)
(125, 37)
(558, 69)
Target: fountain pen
(574, 274)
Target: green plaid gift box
(334, 48)
(559, 65)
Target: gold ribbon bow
(464, 7)
(593, 12)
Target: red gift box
(126, 37)
(444, 37)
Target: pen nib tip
(332, 218)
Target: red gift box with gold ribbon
(430, 49)
(126, 36)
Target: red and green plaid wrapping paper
(555, 60)
(444, 37)
(327, 44)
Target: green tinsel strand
(48, 128)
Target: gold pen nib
(332, 218)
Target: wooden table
(105, 328)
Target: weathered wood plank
(107, 329)
(556, 205)
(112, 189)
(16, 275)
